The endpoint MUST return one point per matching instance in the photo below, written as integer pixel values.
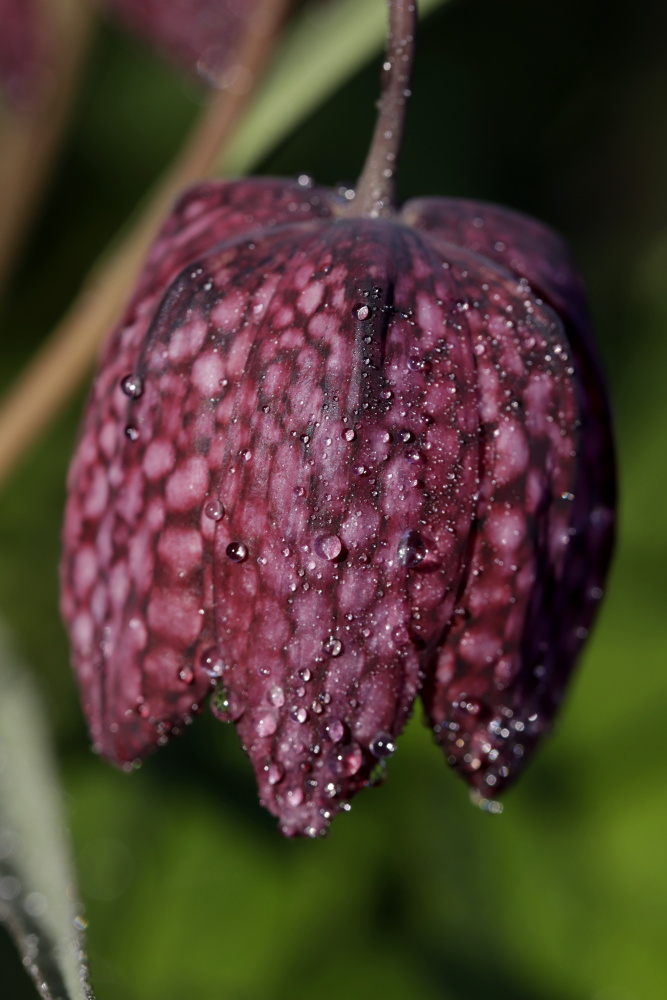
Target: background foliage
(556, 108)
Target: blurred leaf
(37, 895)
(325, 46)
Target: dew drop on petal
(236, 551)
(211, 662)
(382, 746)
(186, 675)
(349, 434)
(335, 730)
(332, 646)
(213, 510)
(411, 549)
(132, 386)
(295, 796)
(328, 547)
(277, 696)
(350, 760)
(225, 706)
(275, 773)
(131, 433)
(267, 725)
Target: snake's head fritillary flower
(337, 455)
(197, 35)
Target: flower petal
(349, 471)
(489, 738)
(129, 552)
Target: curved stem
(376, 188)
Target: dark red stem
(375, 192)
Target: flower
(201, 35)
(337, 456)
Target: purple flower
(332, 462)
(200, 35)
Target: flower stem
(375, 192)
(58, 367)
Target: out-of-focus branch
(60, 364)
(30, 136)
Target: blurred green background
(558, 108)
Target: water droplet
(131, 433)
(349, 762)
(236, 551)
(383, 745)
(132, 386)
(225, 705)
(305, 675)
(335, 730)
(211, 662)
(295, 796)
(411, 549)
(304, 180)
(275, 773)
(567, 496)
(416, 364)
(349, 434)
(187, 675)
(406, 436)
(80, 922)
(331, 790)
(266, 725)
(277, 696)
(299, 714)
(332, 646)
(213, 510)
(363, 312)
(328, 547)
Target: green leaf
(322, 48)
(37, 888)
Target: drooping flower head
(338, 455)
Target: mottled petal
(510, 240)
(489, 738)
(349, 470)
(121, 579)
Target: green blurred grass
(558, 110)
